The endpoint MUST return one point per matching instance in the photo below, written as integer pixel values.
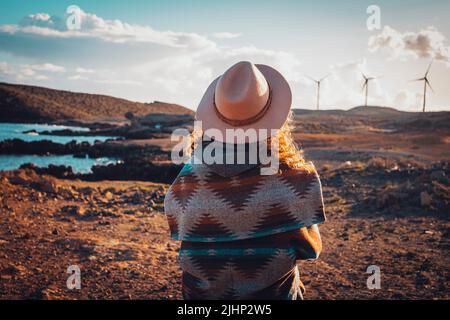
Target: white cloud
(408, 100)
(426, 43)
(226, 35)
(29, 73)
(77, 77)
(114, 31)
(343, 88)
(41, 77)
(81, 74)
(42, 20)
(139, 62)
(83, 70)
(25, 72)
(47, 67)
(120, 82)
(99, 43)
(5, 69)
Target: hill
(22, 103)
(355, 111)
(377, 118)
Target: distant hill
(22, 103)
(356, 111)
(374, 110)
(365, 111)
(379, 117)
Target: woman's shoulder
(302, 177)
(191, 168)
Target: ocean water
(79, 165)
(15, 131)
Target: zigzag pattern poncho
(203, 206)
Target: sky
(171, 50)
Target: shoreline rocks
(137, 169)
(96, 150)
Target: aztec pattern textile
(261, 268)
(204, 206)
(235, 230)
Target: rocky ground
(394, 218)
(386, 189)
(117, 234)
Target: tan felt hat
(246, 96)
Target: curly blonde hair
(288, 151)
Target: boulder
(109, 196)
(74, 210)
(87, 191)
(47, 186)
(425, 199)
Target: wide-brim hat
(246, 96)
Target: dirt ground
(117, 234)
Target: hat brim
(272, 120)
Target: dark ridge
(23, 103)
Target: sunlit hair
(288, 151)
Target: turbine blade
(429, 66)
(429, 85)
(323, 78)
(418, 79)
(362, 73)
(312, 79)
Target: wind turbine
(366, 84)
(318, 82)
(425, 84)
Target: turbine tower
(425, 84)
(366, 84)
(318, 82)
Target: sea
(31, 132)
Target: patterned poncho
(232, 228)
